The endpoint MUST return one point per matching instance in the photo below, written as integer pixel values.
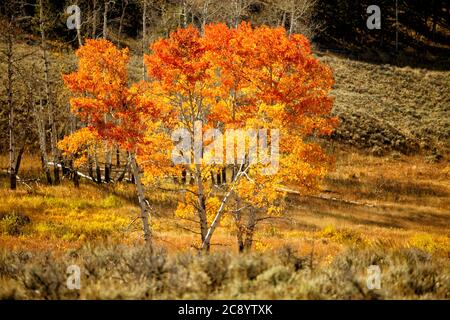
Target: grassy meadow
(359, 94)
(389, 211)
(386, 202)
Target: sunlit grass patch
(83, 225)
(65, 213)
(344, 236)
(13, 223)
(430, 243)
(112, 201)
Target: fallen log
(326, 197)
(82, 175)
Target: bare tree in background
(144, 4)
(94, 18)
(124, 5)
(8, 34)
(205, 11)
(296, 15)
(14, 100)
(236, 10)
(108, 150)
(39, 112)
(48, 95)
(168, 14)
(106, 7)
(78, 27)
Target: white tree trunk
(201, 210)
(9, 93)
(207, 242)
(144, 35)
(94, 19)
(141, 197)
(105, 20)
(122, 16)
(40, 123)
(50, 109)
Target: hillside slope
(383, 107)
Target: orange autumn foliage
(102, 98)
(246, 78)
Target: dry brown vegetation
(372, 199)
(120, 272)
(390, 208)
(386, 211)
(385, 108)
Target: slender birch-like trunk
(105, 19)
(108, 160)
(250, 229)
(98, 172)
(207, 242)
(145, 213)
(201, 210)
(144, 35)
(40, 123)
(122, 17)
(50, 109)
(10, 102)
(94, 19)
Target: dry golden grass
(366, 202)
(390, 212)
(385, 107)
(376, 201)
(141, 272)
